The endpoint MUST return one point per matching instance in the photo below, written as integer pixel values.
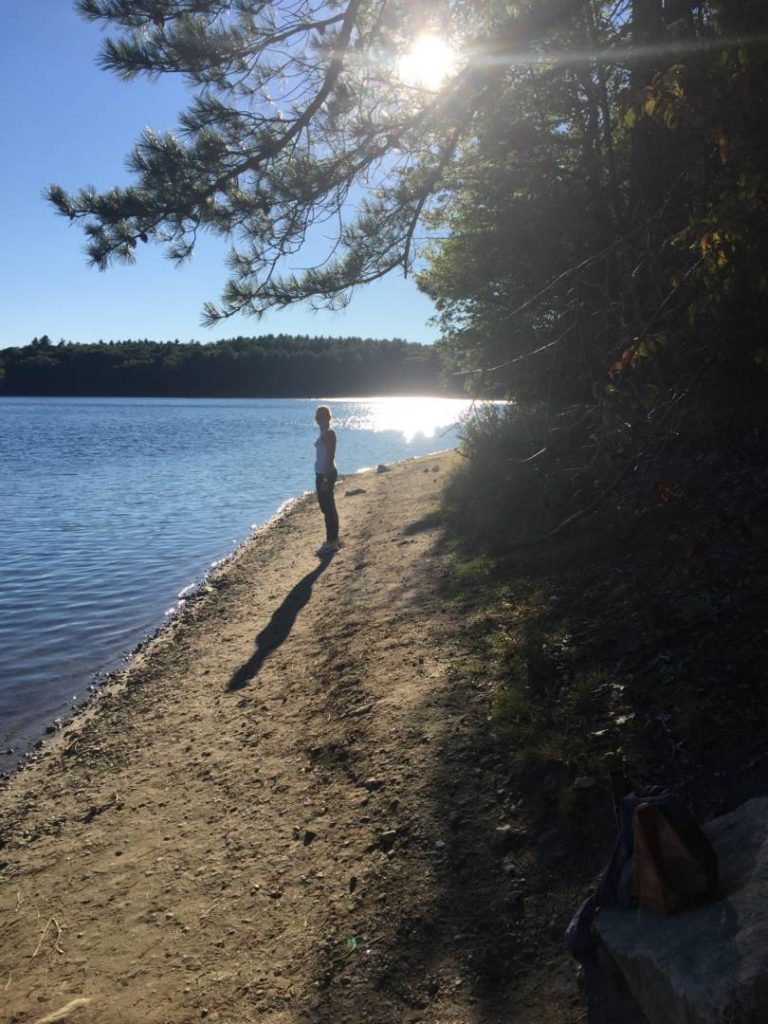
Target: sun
(427, 63)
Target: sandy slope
(285, 811)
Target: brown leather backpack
(674, 864)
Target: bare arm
(330, 444)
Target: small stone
(504, 837)
(511, 867)
(309, 837)
(584, 782)
(515, 902)
(387, 839)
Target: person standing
(325, 478)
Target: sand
(283, 810)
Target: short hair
(323, 410)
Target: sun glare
(428, 63)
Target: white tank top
(323, 464)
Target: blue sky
(67, 122)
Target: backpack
(661, 859)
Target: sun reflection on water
(409, 416)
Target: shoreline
(94, 566)
(101, 680)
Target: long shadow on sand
(278, 628)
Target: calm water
(110, 508)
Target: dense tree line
(273, 365)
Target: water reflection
(410, 416)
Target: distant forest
(270, 366)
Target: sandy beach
(283, 811)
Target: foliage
(272, 365)
(635, 642)
(298, 116)
(592, 180)
(500, 494)
(602, 235)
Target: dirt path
(286, 812)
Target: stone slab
(708, 965)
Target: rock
(708, 965)
(584, 782)
(372, 785)
(381, 468)
(511, 866)
(387, 839)
(607, 994)
(505, 838)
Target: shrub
(503, 491)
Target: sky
(67, 122)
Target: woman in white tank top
(325, 478)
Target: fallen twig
(64, 1012)
(56, 946)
